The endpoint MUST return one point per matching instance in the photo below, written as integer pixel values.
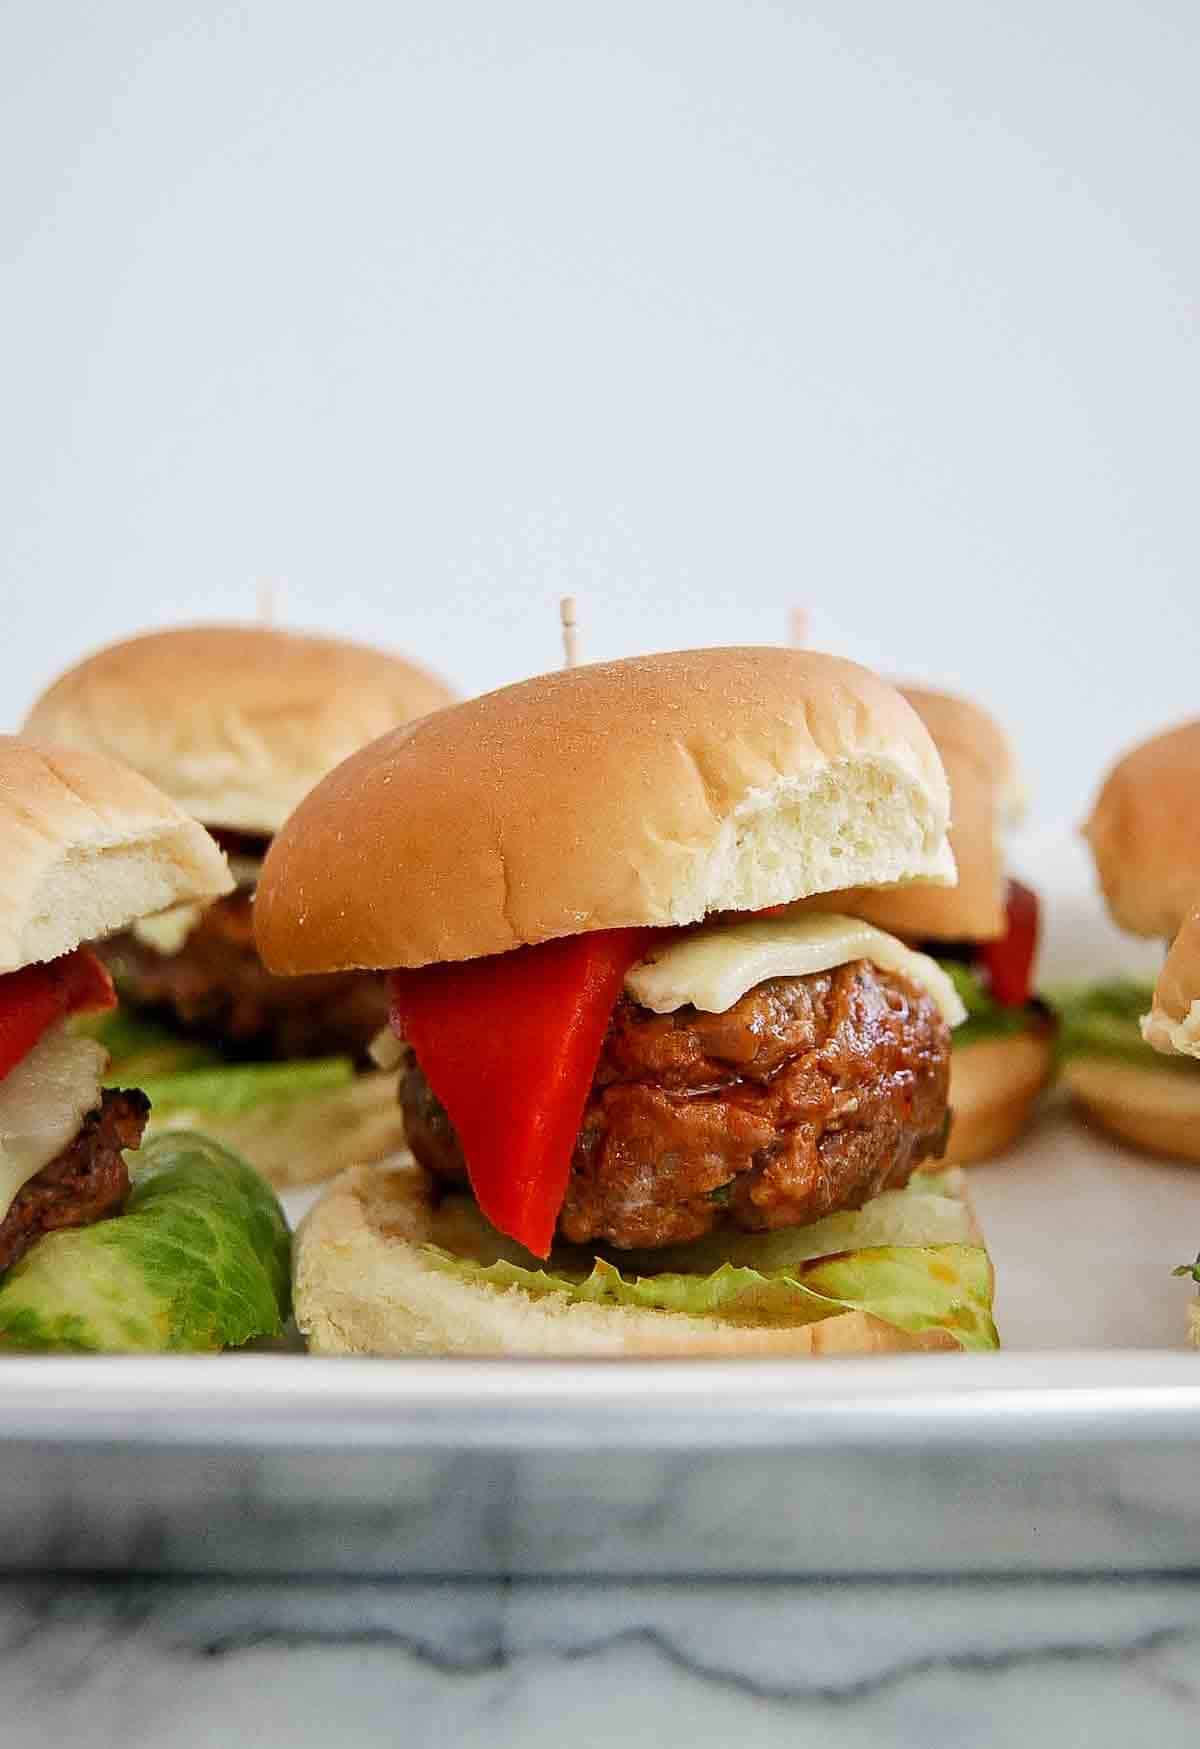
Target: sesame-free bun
(1173, 1024)
(1144, 832)
(1155, 1109)
(994, 1086)
(88, 846)
(649, 791)
(984, 789)
(961, 724)
(235, 722)
(363, 1284)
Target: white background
(434, 311)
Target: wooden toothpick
(798, 628)
(266, 600)
(570, 631)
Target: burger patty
(217, 987)
(809, 1095)
(85, 1183)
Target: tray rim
(294, 1402)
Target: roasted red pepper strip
(32, 999)
(510, 1044)
(1009, 961)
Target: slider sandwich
(236, 724)
(1172, 1027)
(104, 1244)
(1129, 1055)
(983, 932)
(652, 1108)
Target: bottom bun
(363, 1286)
(1155, 1109)
(993, 1088)
(303, 1141)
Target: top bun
(235, 723)
(1144, 832)
(88, 847)
(649, 791)
(984, 791)
(1173, 1024)
(961, 724)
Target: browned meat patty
(85, 1183)
(217, 987)
(808, 1096)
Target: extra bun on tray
(1144, 833)
(235, 722)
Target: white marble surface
(191, 1663)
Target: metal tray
(1074, 1450)
(281, 1464)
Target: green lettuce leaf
(182, 1076)
(1103, 1020)
(986, 1018)
(199, 1260)
(140, 1047)
(867, 1261)
(915, 1288)
(926, 1212)
(238, 1087)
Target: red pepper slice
(32, 999)
(1009, 961)
(510, 1044)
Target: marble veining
(142, 1662)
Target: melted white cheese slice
(713, 968)
(167, 932)
(385, 1050)
(43, 1102)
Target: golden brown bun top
(87, 847)
(1144, 832)
(963, 725)
(649, 791)
(235, 722)
(983, 787)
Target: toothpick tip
(570, 635)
